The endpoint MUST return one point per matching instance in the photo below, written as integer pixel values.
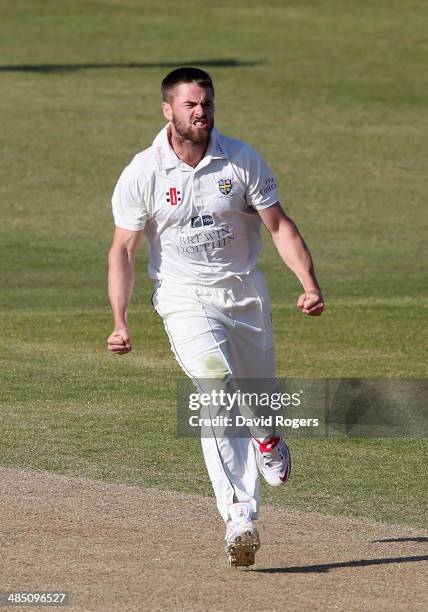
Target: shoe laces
(270, 451)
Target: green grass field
(334, 95)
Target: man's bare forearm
(120, 284)
(295, 253)
(290, 245)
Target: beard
(189, 132)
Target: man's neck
(186, 150)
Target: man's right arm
(120, 286)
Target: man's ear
(167, 111)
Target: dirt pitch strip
(119, 547)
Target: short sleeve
(261, 189)
(128, 200)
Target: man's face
(191, 112)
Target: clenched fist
(119, 341)
(311, 303)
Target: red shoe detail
(267, 447)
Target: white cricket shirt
(201, 224)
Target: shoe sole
(242, 550)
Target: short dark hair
(186, 74)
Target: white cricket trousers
(223, 332)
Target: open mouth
(200, 123)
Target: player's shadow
(326, 567)
(404, 539)
(48, 68)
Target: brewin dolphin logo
(225, 186)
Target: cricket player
(200, 197)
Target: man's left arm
(296, 255)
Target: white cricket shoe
(273, 460)
(242, 538)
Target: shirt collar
(167, 159)
(216, 148)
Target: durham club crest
(225, 186)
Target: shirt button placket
(197, 192)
